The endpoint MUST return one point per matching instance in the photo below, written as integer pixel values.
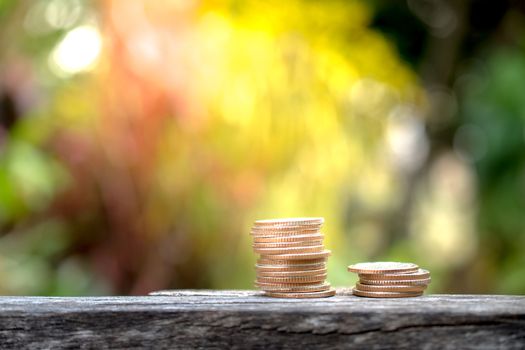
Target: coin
(287, 244)
(382, 267)
(265, 261)
(292, 238)
(292, 280)
(389, 288)
(300, 256)
(395, 282)
(291, 229)
(290, 250)
(290, 268)
(324, 294)
(280, 233)
(284, 229)
(419, 274)
(318, 287)
(289, 222)
(280, 273)
(385, 294)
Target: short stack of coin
(292, 262)
(389, 279)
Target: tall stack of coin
(292, 261)
(389, 279)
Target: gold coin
(382, 267)
(288, 227)
(300, 256)
(292, 238)
(265, 261)
(317, 287)
(281, 273)
(291, 250)
(278, 285)
(385, 294)
(389, 288)
(324, 294)
(292, 280)
(284, 229)
(284, 233)
(425, 281)
(290, 268)
(287, 244)
(289, 230)
(419, 274)
(289, 221)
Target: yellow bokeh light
(78, 51)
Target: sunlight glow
(78, 51)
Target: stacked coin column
(389, 279)
(292, 261)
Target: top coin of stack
(292, 261)
(389, 279)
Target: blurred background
(140, 139)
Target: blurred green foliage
(494, 110)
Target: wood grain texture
(246, 319)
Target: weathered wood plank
(246, 319)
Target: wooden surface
(246, 319)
